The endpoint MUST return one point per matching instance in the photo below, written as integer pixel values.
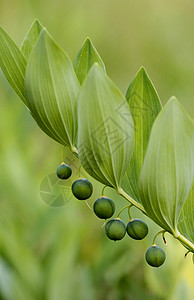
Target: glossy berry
(104, 207)
(137, 229)
(115, 229)
(155, 256)
(82, 189)
(64, 171)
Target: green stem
(162, 231)
(88, 205)
(179, 237)
(121, 192)
(129, 211)
(104, 223)
(186, 242)
(187, 253)
(103, 190)
(122, 210)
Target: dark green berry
(64, 171)
(104, 207)
(82, 189)
(155, 256)
(115, 229)
(137, 229)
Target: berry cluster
(115, 228)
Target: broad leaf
(31, 38)
(186, 219)
(105, 129)
(168, 168)
(85, 59)
(12, 63)
(144, 105)
(52, 90)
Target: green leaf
(144, 105)
(12, 63)
(186, 219)
(31, 38)
(185, 222)
(52, 90)
(168, 169)
(105, 129)
(85, 59)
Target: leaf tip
(87, 40)
(88, 44)
(37, 23)
(142, 69)
(173, 99)
(142, 74)
(172, 102)
(96, 68)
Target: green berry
(104, 207)
(155, 256)
(64, 171)
(82, 189)
(115, 229)
(137, 229)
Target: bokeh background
(62, 253)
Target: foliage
(105, 125)
(96, 80)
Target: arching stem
(129, 207)
(88, 205)
(187, 253)
(103, 190)
(121, 192)
(188, 244)
(104, 223)
(160, 232)
(122, 210)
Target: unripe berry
(115, 229)
(104, 207)
(137, 229)
(82, 189)
(155, 256)
(64, 171)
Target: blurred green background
(62, 253)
